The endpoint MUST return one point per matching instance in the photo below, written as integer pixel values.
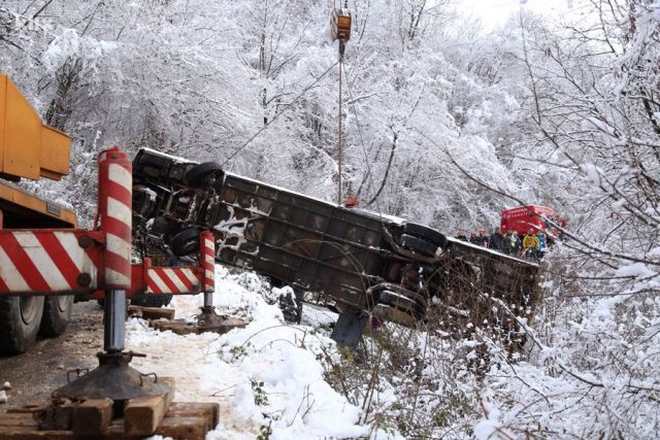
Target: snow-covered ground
(266, 376)
(270, 382)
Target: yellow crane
(30, 150)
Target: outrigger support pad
(209, 321)
(113, 379)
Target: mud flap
(349, 328)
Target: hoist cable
(357, 122)
(280, 113)
(340, 153)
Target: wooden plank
(184, 428)
(18, 420)
(183, 421)
(151, 313)
(32, 434)
(116, 431)
(28, 409)
(179, 326)
(92, 417)
(134, 311)
(221, 326)
(56, 417)
(158, 313)
(143, 415)
(209, 411)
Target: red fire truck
(524, 218)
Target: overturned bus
(367, 264)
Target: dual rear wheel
(422, 239)
(23, 318)
(204, 175)
(401, 304)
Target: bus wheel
(418, 245)
(425, 233)
(20, 318)
(197, 176)
(186, 242)
(57, 313)
(146, 300)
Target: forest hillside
(445, 123)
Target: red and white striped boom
(68, 261)
(49, 261)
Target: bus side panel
(298, 240)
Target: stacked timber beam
(183, 327)
(162, 319)
(97, 419)
(151, 313)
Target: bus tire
(418, 245)
(148, 300)
(57, 313)
(20, 318)
(425, 233)
(197, 176)
(186, 242)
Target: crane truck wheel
(57, 313)
(20, 318)
(197, 175)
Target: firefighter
(542, 244)
(530, 244)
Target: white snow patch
(639, 270)
(656, 15)
(654, 253)
(316, 316)
(593, 173)
(488, 426)
(265, 375)
(62, 47)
